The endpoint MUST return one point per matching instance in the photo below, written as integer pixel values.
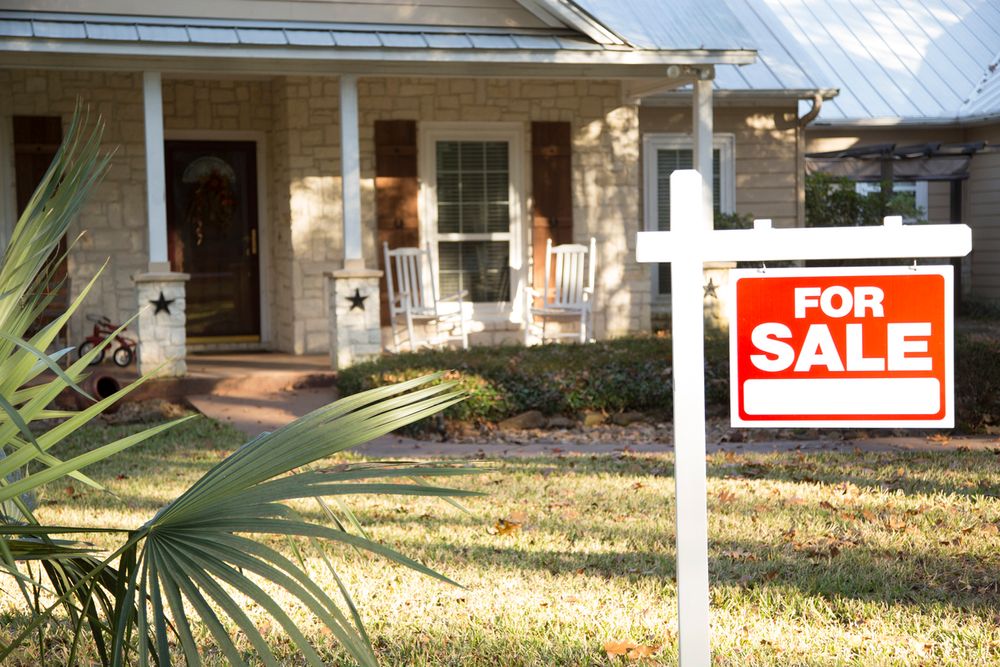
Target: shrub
(627, 374)
(977, 381)
(617, 375)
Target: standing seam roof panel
(933, 61)
(677, 24)
(904, 92)
(945, 40)
(833, 67)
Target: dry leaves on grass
(630, 649)
(510, 525)
(725, 496)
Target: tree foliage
(834, 202)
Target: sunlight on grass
(819, 559)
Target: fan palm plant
(198, 555)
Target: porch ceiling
(268, 47)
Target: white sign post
(687, 247)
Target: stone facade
(296, 122)
(162, 338)
(354, 316)
(606, 171)
(112, 225)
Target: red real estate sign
(866, 346)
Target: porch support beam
(702, 120)
(350, 169)
(156, 200)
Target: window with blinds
(669, 160)
(473, 219)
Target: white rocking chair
(564, 297)
(413, 298)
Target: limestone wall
(297, 120)
(605, 136)
(114, 218)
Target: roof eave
(265, 57)
(941, 121)
(679, 97)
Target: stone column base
(162, 335)
(716, 290)
(355, 330)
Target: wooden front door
(212, 225)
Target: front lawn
(818, 559)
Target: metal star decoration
(357, 301)
(162, 304)
(710, 289)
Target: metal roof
(564, 48)
(270, 33)
(918, 61)
(985, 99)
(677, 24)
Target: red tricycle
(103, 328)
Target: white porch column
(161, 294)
(716, 274)
(355, 331)
(701, 118)
(156, 200)
(350, 168)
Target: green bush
(977, 381)
(627, 374)
(612, 376)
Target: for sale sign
(868, 346)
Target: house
(265, 149)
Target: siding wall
(768, 182)
(982, 207)
(484, 13)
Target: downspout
(810, 115)
(800, 160)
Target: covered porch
(332, 150)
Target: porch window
(665, 153)
(474, 218)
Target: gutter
(954, 121)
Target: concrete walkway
(260, 392)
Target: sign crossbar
(687, 247)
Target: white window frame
(920, 192)
(652, 142)
(428, 134)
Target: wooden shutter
(36, 141)
(551, 190)
(396, 190)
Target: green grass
(818, 559)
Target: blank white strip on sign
(847, 396)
